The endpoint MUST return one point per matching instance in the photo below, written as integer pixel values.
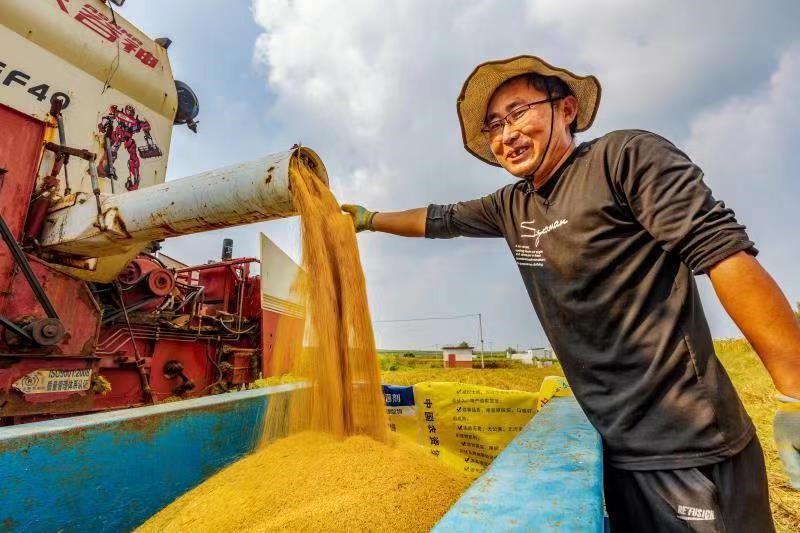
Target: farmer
(608, 236)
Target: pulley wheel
(47, 331)
(131, 274)
(160, 282)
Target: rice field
(745, 369)
(755, 388)
(522, 378)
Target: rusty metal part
(96, 190)
(40, 206)
(36, 217)
(47, 331)
(233, 262)
(15, 329)
(160, 282)
(132, 273)
(184, 387)
(147, 273)
(35, 332)
(109, 170)
(56, 106)
(24, 266)
(66, 150)
(70, 260)
(146, 390)
(174, 369)
(55, 170)
(111, 317)
(67, 201)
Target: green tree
(798, 311)
(463, 344)
(510, 350)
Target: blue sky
(371, 86)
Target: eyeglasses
(495, 128)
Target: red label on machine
(48, 381)
(107, 28)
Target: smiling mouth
(517, 153)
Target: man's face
(519, 147)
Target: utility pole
(480, 327)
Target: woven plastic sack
(467, 426)
(401, 411)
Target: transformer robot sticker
(120, 127)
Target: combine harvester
(94, 323)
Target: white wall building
(522, 357)
(539, 357)
(455, 356)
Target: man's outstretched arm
(755, 302)
(410, 223)
(473, 218)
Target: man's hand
(410, 223)
(362, 218)
(787, 439)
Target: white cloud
(750, 136)
(372, 87)
(747, 146)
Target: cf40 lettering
(39, 91)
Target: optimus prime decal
(119, 127)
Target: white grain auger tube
(248, 192)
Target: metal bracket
(25, 267)
(66, 150)
(15, 329)
(90, 157)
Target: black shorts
(729, 496)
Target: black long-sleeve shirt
(608, 249)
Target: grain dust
(333, 349)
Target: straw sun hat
(488, 76)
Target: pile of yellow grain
(316, 482)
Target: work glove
(362, 218)
(787, 437)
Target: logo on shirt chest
(527, 229)
(531, 256)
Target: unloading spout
(248, 192)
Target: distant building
(523, 357)
(457, 357)
(541, 353)
(542, 357)
(538, 357)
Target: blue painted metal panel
(549, 478)
(111, 471)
